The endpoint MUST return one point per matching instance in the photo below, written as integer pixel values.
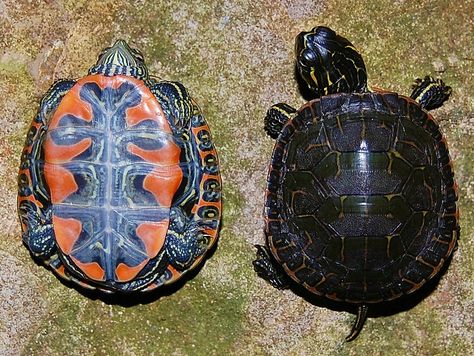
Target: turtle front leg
(185, 241)
(176, 103)
(277, 116)
(267, 269)
(430, 93)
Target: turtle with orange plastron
(119, 184)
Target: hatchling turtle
(119, 183)
(361, 198)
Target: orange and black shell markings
(361, 198)
(102, 170)
(208, 208)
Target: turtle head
(329, 63)
(120, 59)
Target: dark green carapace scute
(361, 200)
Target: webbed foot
(185, 241)
(267, 269)
(277, 116)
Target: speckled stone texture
(236, 58)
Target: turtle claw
(359, 322)
(268, 270)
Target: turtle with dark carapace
(361, 198)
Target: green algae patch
(16, 111)
(401, 334)
(150, 29)
(19, 102)
(464, 168)
(18, 86)
(197, 319)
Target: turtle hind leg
(430, 93)
(359, 322)
(184, 249)
(185, 241)
(277, 116)
(39, 235)
(267, 269)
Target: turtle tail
(359, 322)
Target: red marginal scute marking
(218, 205)
(126, 273)
(60, 181)
(153, 236)
(175, 275)
(66, 231)
(61, 272)
(151, 287)
(203, 154)
(91, 269)
(30, 198)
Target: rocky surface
(236, 58)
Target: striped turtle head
(121, 59)
(329, 63)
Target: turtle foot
(185, 241)
(430, 93)
(268, 270)
(277, 116)
(359, 322)
(183, 250)
(39, 235)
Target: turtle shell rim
(308, 114)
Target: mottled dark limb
(277, 116)
(185, 241)
(39, 236)
(359, 322)
(430, 93)
(176, 103)
(267, 268)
